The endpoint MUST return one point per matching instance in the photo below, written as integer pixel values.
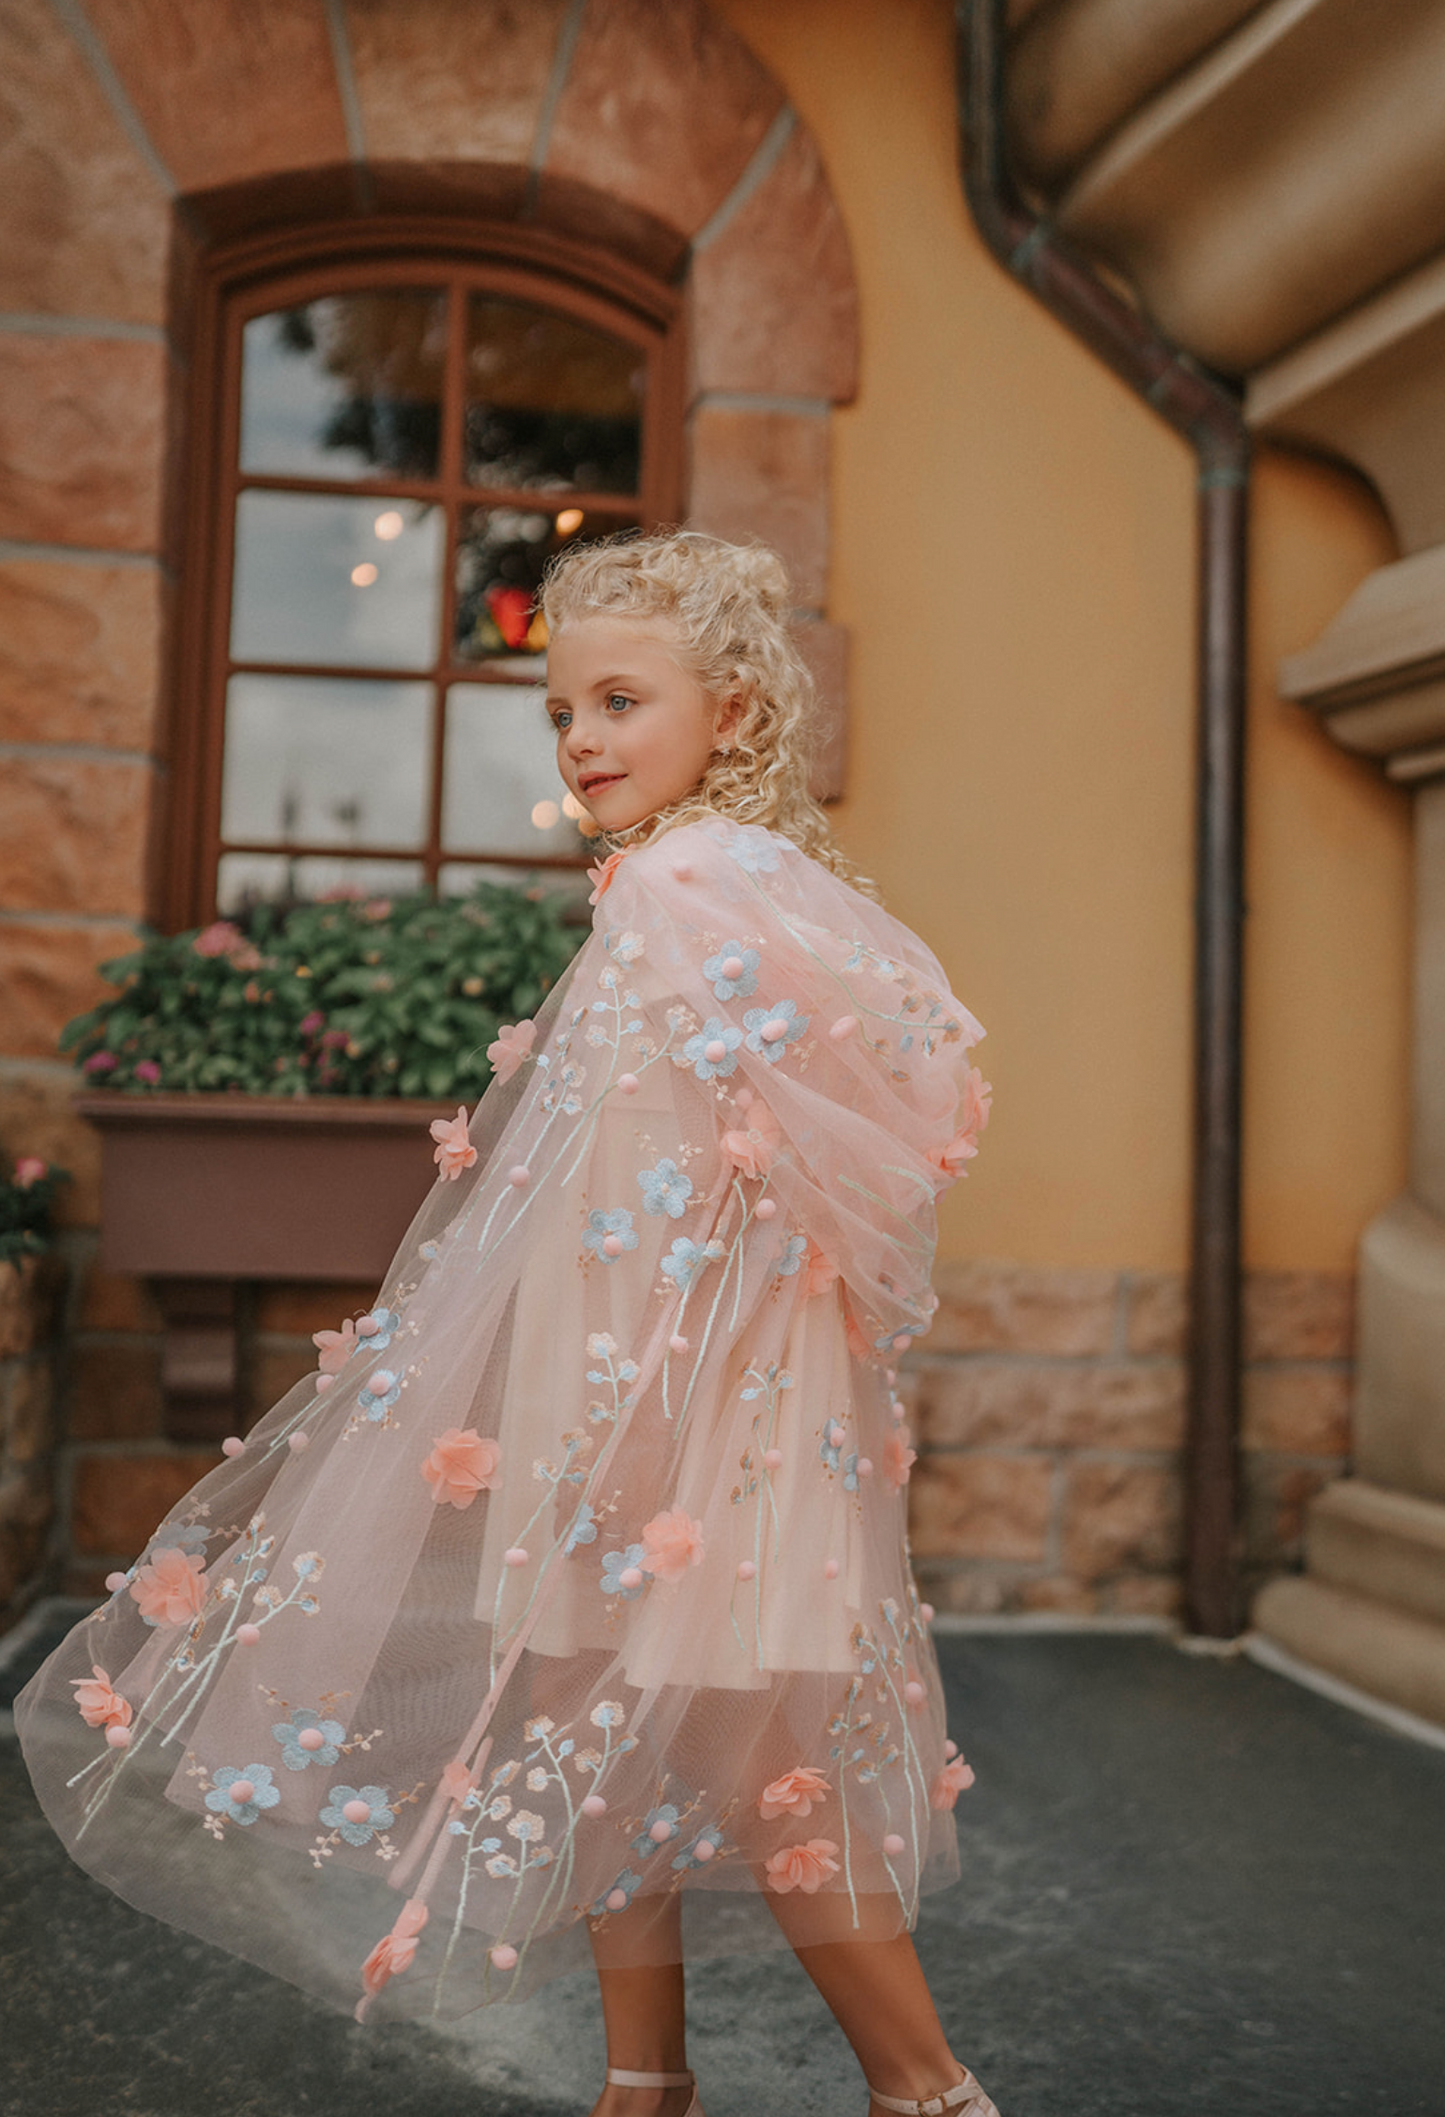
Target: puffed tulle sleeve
(573, 1593)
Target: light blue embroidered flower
(186, 1536)
(615, 1228)
(828, 1448)
(753, 849)
(582, 1531)
(684, 1262)
(690, 1857)
(378, 1817)
(733, 971)
(387, 1322)
(795, 1249)
(850, 1472)
(772, 1029)
(624, 1886)
(665, 1189)
(615, 1564)
(663, 1819)
(715, 1050)
(380, 1389)
(262, 1793)
(296, 1754)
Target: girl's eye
(562, 720)
(618, 699)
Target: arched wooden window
(385, 450)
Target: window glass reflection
(348, 386)
(501, 553)
(326, 761)
(272, 878)
(552, 404)
(501, 792)
(336, 580)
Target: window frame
(284, 268)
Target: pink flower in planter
(461, 1465)
(172, 1588)
(99, 1705)
(100, 1062)
(335, 1347)
(310, 1023)
(29, 1169)
(147, 1070)
(795, 1794)
(806, 1867)
(454, 1151)
(218, 939)
(671, 1542)
(513, 1045)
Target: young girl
(569, 1604)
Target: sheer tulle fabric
(580, 1584)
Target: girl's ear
(729, 717)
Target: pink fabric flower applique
(751, 1151)
(977, 1102)
(671, 1542)
(806, 1867)
(461, 1465)
(99, 1705)
(820, 1272)
(513, 1044)
(601, 876)
(172, 1588)
(395, 1951)
(795, 1794)
(335, 1347)
(454, 1151)
(955, 1779)
(898, 1458)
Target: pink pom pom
(771, 1031)
(248, 1634)
(890, 1375)
(381, 1381)
(746, 1569)
(118, 1737)
(893, 1845)
(927, 1612)
(844, 1026)
(732, 966)
(594, 1805)
(836, 1435)
(774, 1458)
(310, 1738)
(297, 1441)
(715, 1051)
(233, 1445)
(628, 1083)
(950, 1748)
(323, 1383)
(865, 1466)
(660, 1832)
(765, 1208)
(830, 1569)
(504, 1957)
(115, 1582)
(612, 1245)
(683, 870)
(744, 1098)
(515, 1557)
(677, 1344)
(704, 1849)
(241, 1791)
(915, 1694)
(630, 1577)
(354, 1811)
(902, 1342)
(367, 1327)
(899, 1411)
(519, 1177)
(616, 1900)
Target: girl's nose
(581, 740)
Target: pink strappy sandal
(618, 2077)
(967, 2100)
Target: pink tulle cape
(577, 1595)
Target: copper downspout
(1206, 413)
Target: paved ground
(1190, 1887)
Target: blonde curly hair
(727, 607)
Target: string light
(363, 575)
(389, 526)
(569, 520)
(545, 814)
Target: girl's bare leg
(643, 2015)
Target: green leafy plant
(27, 1200)
(397, 996)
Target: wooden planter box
(202, 1193)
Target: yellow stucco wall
(1013, 554)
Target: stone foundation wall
(1048, 1411)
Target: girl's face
(634, 730)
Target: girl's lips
(599, 781)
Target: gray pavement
(1189, 1887)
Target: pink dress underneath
(581, 1586)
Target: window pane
(320, 760)
(552, 404)
(502, 793)
(346, 387)
(271, 878)
(501, 552)
(570, 885)
(336, 580)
